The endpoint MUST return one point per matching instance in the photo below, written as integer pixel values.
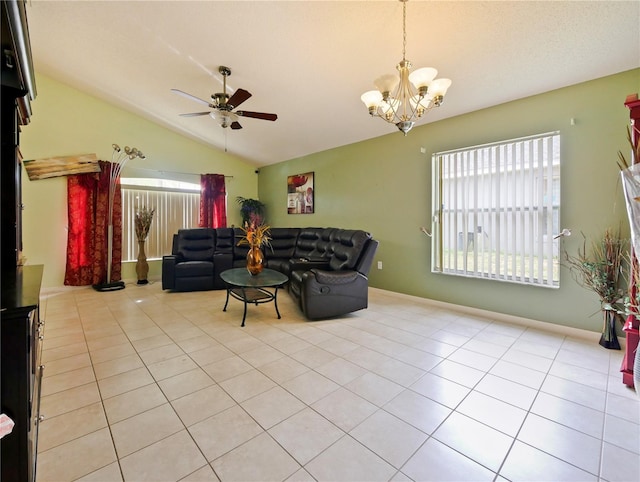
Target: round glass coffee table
(249, 288)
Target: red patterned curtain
(213, 201)
(87, 239)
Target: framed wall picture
(300, 194)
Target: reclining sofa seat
(333, 281)
(282, 248)
(190, 267)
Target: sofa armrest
(334, 277)
(305, 264)
(327, 293)
(169, 271)
(221, 262)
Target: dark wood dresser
(21, 372)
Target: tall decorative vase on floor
(143, 222)
(142, 267)
(609, 339)
(599, 268)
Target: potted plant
(601, 270)
(251, 210)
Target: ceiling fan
(223, 106)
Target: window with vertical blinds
(496, 210)
(175, 208)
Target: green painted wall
(68, 122)
(383, 185)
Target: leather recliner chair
(338, 285)
(190, 267)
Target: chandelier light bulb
(421, 78)
(371, 98)
(387, 83)
(439, 87)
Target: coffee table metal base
(254, 296)
(261, 288)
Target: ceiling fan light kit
(402, 99)
(223, 105)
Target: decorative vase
(142, 267)
(254, 260)
(609, 339)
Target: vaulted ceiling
(309, 61)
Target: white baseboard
(563, 330)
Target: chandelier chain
(404, 30)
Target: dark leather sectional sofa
(327, 267)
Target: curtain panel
(213, 201)
(87, 238)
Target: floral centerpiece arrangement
(602, 271)
(256, 235)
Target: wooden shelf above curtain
(61, 166)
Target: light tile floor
(142, 384)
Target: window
(496, 210)
(176, 206)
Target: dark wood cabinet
(20, 324)
(21, 372)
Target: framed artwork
(300, 194)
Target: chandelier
(402, 99)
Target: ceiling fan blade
(238, 97)
(192, 97)
(194, 114)
(235, 125)
(257, 115)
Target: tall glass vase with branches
(601, 270)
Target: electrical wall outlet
(379, 264)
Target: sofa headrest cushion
(347, 248)
(196, 244)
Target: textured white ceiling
(309, 61)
